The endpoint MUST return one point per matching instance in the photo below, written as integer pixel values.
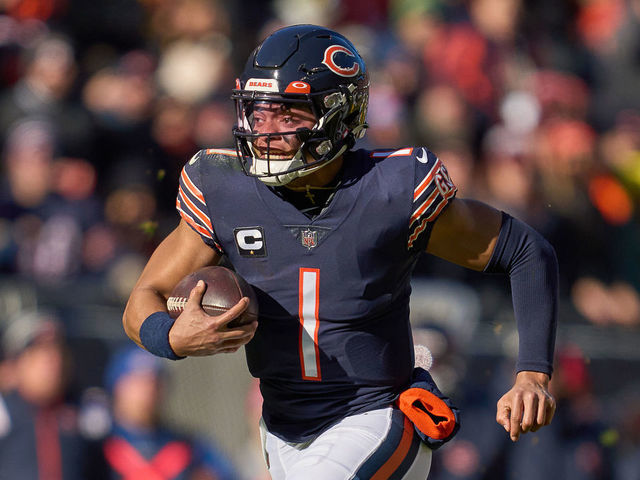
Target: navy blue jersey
(333, 336)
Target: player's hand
(195, 333)
(528, 406)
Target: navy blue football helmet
(310, 66)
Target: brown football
(225, 288)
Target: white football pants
(377, 445)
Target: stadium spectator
(139, 446)
(43, 91)
(39, 436)
(46, 203)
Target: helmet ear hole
(303, 134)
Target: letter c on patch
(249, 239)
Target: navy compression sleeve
(530, 261)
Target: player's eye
(257, 119)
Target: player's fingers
(503, 414)
(550, 406)
(530, 413)
(242, 334)
(516, 417)
(231, 344)
(235, 311)
(546, 410)
(541, 416)
(196, 294)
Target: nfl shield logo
(309, 238)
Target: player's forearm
(143, 302)
(534, 290)
(179, 254)
(531, 264)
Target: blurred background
(533, 105)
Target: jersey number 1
(309, 297)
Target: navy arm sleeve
(530, 261)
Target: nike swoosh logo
(422, 158)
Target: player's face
(277, 118)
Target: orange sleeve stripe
(197, 227)
(195, 210)
(395, 460)
(427, 180)
(193, 224)
(419, 229)
(423, 208)
(442, 204)
(195, 191)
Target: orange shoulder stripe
(195, 210)
(220, 151)
(193, 224)
(195, 191)
(403, 152)
(419, 229)
(425, 205)
(427, 180)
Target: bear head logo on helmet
(310, 68)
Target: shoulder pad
(222, 156)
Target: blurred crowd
(115, 433)
(533, 105)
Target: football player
(329, 236)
